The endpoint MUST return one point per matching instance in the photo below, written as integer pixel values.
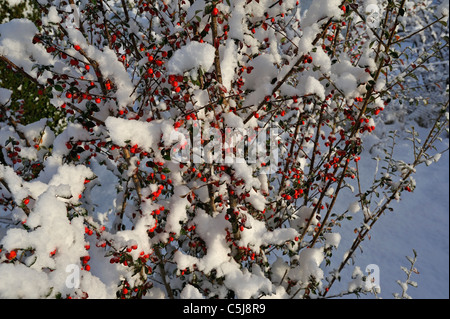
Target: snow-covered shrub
(106, 208)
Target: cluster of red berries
(307, 59)
(13, 153)
(175, 82)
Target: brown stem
(136, 181)
(163, 272)
(216, 45)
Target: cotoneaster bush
(107, 208)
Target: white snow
(194, 55)
(190, 292)
(332, 239)
(354, 207)
(20, 277)
(145, 135)
(5, 95)
(16, 44)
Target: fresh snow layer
(194, 55)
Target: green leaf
(394, 54)
(208, 9)
(413, 76)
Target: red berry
(215, 12)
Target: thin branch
(418, 31)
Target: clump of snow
(348, 77)
(354, 207)
(259, 80)
(257, 234)
(247, 284)
(20, 276)
(109, 66)
(177, 209)
(212, 230)
(229, 63)
(195, 9)
(145, 135)
(332, 239)
(16, 44)
(190, 292)
(322, 60)
(236, 21)
(311, 86)
(5, 95)
(232, 120)
(321, 9)
(309, 261)
(15, 183)
(360, 281)
(256, 199)
(52, 16)
(194, 55)
(443, 9)
(279, 268)
(113, 69)
(13, 2)
(302, 216)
